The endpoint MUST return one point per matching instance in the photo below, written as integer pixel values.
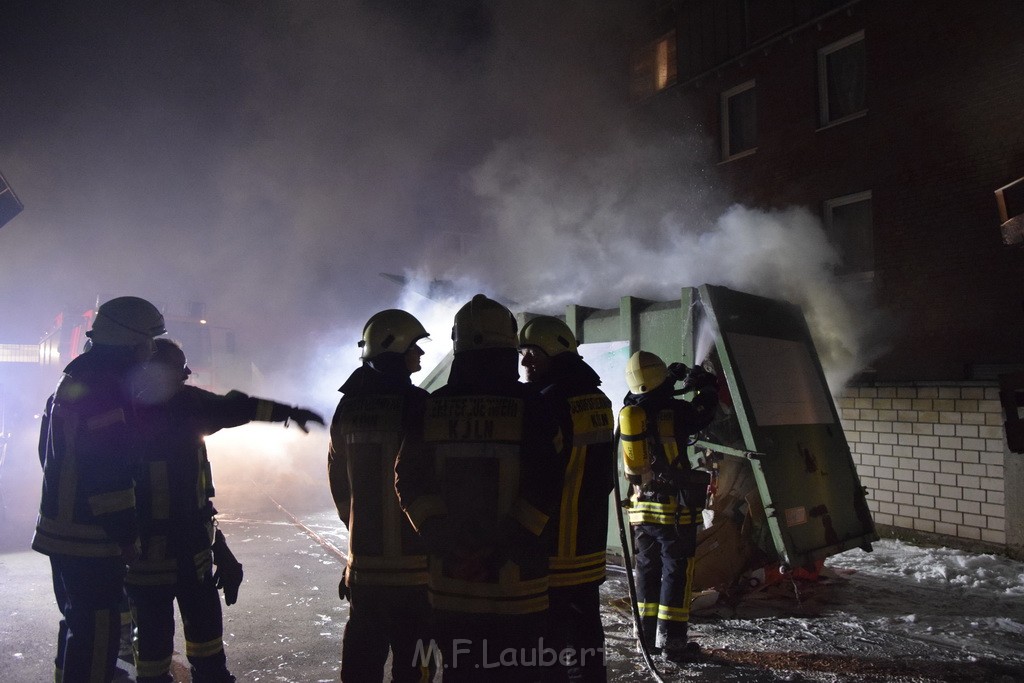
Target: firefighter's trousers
(493, 647)
(200, 609)
(576, 630)
(664, 577)
(88, 592)
(383, 618)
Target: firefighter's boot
(212, 669)
(675, 647)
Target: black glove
(698, 379)
(677, 371)
(301, 416)
(228, 575)
(343, 591)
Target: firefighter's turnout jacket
(484, 468)
(577, 551)
(665, 505)
(174, 480)
(86, 448)
(366, 433)
(654, 430)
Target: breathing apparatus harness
(672, 478)
(689, 486)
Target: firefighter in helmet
(385, 579)
(184, 556)
(578, 544)
(479, 480)
(667, 495)
(87, 521)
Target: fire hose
(628, 566)
(323, 542)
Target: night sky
(270, 159)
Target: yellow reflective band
(530, 517)
(507, 587)
(68, 486)
(371, 414)
(210, 647)
(71, 529)
(264, 410)
(379, 578)
(577, 577)
(106, 419)
(387, 562)
(58, 546)
(425, 507)
(114, 501)
(591, 419)
(153, 572)
(666, 613)
(568, 519)
(152, 668)
(474, 418)
(576, 561)
(648, 609)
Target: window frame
(823, 108)
(660, 74)
(724, 121)
(828, 209)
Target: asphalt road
(288, 621)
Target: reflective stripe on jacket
(366, 434)
(87, 508)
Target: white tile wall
(930, 457)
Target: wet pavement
(288, 621)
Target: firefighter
(667, 496)
(479, 478)
(577, 551)
(87, 522)
(180, 543)
(385, 579)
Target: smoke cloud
(271, 159)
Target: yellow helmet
(126, 321)
(484, 324)
(549, 334)
(645, 372)
(390, 330)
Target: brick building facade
(897, 121)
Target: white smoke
(588, 229)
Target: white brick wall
(930, 457)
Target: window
(842, 78)
(849, 227)
(739, 121)
(653, 67)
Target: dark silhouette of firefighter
(667, 496)
(87, 519)
(385, 580)
(578, 548)
(184, 556)
(479, 479)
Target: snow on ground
(899, 613)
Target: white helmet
(484, 324)
(126, 321)
(390, 330)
